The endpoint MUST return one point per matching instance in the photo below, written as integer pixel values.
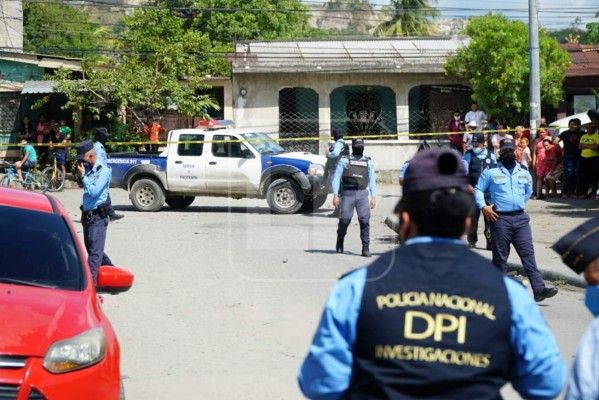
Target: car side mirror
(247, 154)
(113, 280)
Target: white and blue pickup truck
(225, 162)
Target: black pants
(588, 175)
(473, 232)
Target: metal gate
(298, 117)
(431, 108)
(9, 108)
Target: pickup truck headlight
(78, 352)
(316, 169)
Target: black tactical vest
(355, 176)
(477, 166)
(434, 323)
(331, 164)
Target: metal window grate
(298, 117)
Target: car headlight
(316, 169)
(78, 352)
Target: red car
(55, 340)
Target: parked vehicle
(236, 163)
(561, 125)
(55, 341)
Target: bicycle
(54, 175)
(32, 180)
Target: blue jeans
(571, 167)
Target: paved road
(227, 295)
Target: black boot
(366, 251)
(339, 246)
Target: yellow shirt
(589, 139)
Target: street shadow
(574, 209)
(345, 252)
(203, 209)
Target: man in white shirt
(475, 115)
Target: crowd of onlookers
(572, 157)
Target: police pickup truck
(225, 162)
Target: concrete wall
(11, 25)
(258, 107)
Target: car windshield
(263, 143)
(38, 249)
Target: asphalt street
(227, 295)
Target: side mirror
(247, 154)
(113, 280)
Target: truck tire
(284, 196)
(179, 202)
(313, 204)
(147, 195)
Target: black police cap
(83, 148)
(579, 247)
(102, 132)
(507, 144)
(435, 169)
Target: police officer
(336, 151)
(95, 212)
(431, 319)
(478, 159)
(510, 186)
(101, 136)
(353, 176)
(580, 252)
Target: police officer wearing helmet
(478, 159)
(95, 211)
(431, 319)
(510, 186)
(580, 252)
(336, 151)
(101, 136)
(353, 176)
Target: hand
(470, 189)
(336, 201)
(81, 169)
(372, 203)
(490, 213)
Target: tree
(61, 30)
(496, 64)
(593, 29)
(155, 68)
(407, 17)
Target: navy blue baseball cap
(102, 131)
(83, 148)
(507, 144)
(357, 142)
(477, 138)
(578, 248)
(435, 169)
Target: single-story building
(581, 81)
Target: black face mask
(508, 159)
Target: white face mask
(457, 118)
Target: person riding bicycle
(59, 138)
(29, 159)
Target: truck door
(186, 169)
(232, 167)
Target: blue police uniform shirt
(100, 153)
(404, 168)
(96, 182)
(338, 147)
(538, 371)
(584, 384)
(343, 164)
(483, 154)
(509, 192)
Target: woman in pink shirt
(554, 157)
(539, 163)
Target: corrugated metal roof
(38, 87)
(585, 59)
(410, 50)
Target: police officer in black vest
(336, 151)
(353, 176)
(431, 319)
(478, 159)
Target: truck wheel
(284, 197)
(147, 195)
(179, 202)
(313, 204)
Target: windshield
(263, 143)
(38, 249)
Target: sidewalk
(550, 219)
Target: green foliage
(564, 35)
(407, 17)
(593, 29)
(496, 64)
(57, 29)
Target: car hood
(298, 155)
(34, 318)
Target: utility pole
(534, 66)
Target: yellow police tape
(300, 139)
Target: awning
(38, 87)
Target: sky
(553, 14)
